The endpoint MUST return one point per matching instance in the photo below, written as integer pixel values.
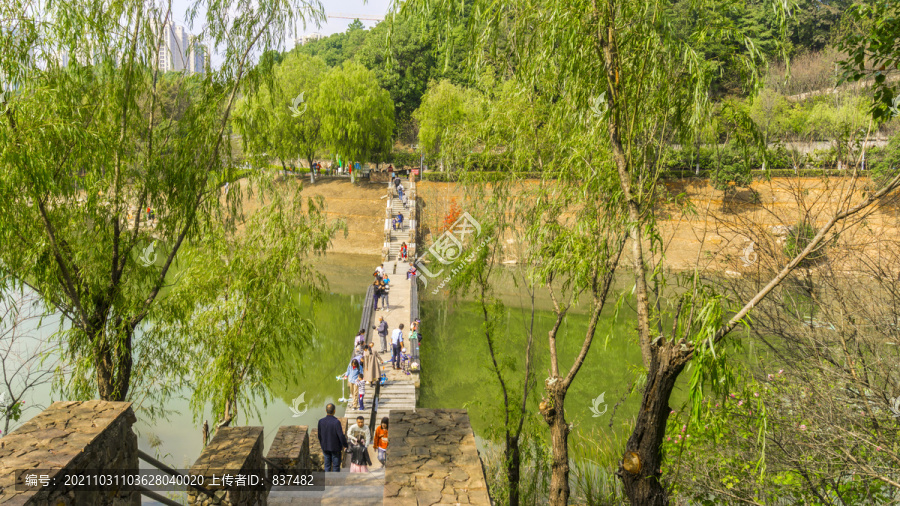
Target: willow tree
(568, 247)
(636, 74)
(357, 114)
(447, 114)
(235, 311)
(280, 120)
(86, 146)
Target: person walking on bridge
(385, 290)
(371, 365)
(415, 339)
(382, 329)
(376, 293)
(331, 439)
(354, 371)
(381, 440)
(396, 346)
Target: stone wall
(235, 450)
(290, 448)
(316, 458)
(432, 459)
(68, 436)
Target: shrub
(799, 237)
(884, 163)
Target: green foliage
(594, 465)
(446, 116)
(357, 115)
(872, 53)
(799, 237)
(884, 163)
(814, 23)
(403, 59)
(269, 123)
(749, 443)
(12, 411)
(86, 143)
(235, 309)
(403, 159)
(337, 48)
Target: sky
(330, 26)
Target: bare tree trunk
(555, 417)
(312, 172)
(114, 364)
(640, 466)
(513, 459)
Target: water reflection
(457, 362)
(177, 439)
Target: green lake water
(456, 368)
(458, 374)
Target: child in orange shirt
(380, 441)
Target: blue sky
(330, 26)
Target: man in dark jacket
(332, 439)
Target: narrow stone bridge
(431, 457)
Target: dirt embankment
(696, 225)
(745, 230)
(360, 206)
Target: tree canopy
(357, 115)
(282, 120)
(88, 144)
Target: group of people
(397, 222)
(401, 192)
(382, 289)
(364, 369)
(401, 358)
(335, 168)
(335, 443)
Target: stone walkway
(400, 393)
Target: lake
(456, 368)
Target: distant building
(307, 38)
(180, 51)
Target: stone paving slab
(432, 459)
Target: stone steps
(381, 413)
(396, 395)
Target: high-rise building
(307, 38)
(197, 56)
(180, 51)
